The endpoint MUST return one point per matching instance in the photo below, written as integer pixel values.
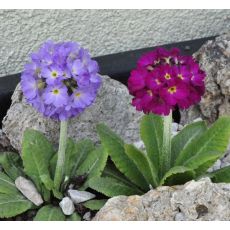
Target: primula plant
(60, 81)
(163, 81)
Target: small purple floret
(61, 80)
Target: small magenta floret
(163, 80)
(61, 80)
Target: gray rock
(67, 206)
(27, 188)
(87, 216)
(179, 217)
(80, 196)
(196, 200)
(139, 145)
(112, 107)
(214, 57)
(216, 166)
(4, 142)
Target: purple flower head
(61, 80)
(163, 80)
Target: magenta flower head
(163, 80)
(61, 80)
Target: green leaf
(76, 153)
(111, 171)
(94, 204)
(7, 185)
(47, 181)
(12, 164)
(115, 148)
(74, 217)
(49, 213)
(221, 176)
(143, 164)
(13, 205)
(151, 132)
(111, 187)
(36, 154)
(209, 147)
(177, 175)
(57, 194)
(93, 164)
(185, 136)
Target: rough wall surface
(101, 31)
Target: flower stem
(165, 158)
(61, 155)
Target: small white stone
(139, 144)
(179, 216)
(180, 127)
(175, 127)
(80, 196)
(225, 164)
(174, 133)
(67, 206)
(87, 216)
(198, 119)
(217, 165)
(28, 189)
(226, 158)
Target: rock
(87, 216)
(112, 107)
(80, 196)
(139, 145)
(214, 58)
(67, 206)
(27, 188)
(216, 166)
(4, 142)
(195, 200)
(179, 216)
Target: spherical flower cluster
(164, 80)
(61, 80)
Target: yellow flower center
(180, 76)
(40, 84)
(167, 76)
(54, 74)
(172, 90)
(77, 94)
(56, 91)
(167, 60)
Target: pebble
(87, 216)
(67, 206)
(28, 189)
(80, 196)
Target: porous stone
(195, 200)
(214, 58)
(112, 107)
(67, 206)
(4, 142)
(80, 196)
(28, 189)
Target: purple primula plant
(60, 81)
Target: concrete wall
(101, 31)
